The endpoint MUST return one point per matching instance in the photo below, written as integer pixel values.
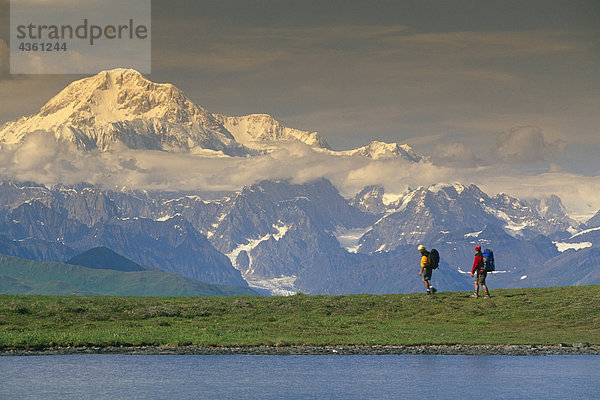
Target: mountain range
(281, 237)
(120, 108)
(276, 236)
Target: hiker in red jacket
(481, 273)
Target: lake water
(299, 377)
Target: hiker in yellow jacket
(426, 269)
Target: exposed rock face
(425, 213)
(370, 200)
(285, 237)
(594, 222)
(172, 245)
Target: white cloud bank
(526, 145)
(518, 145)
(41, 159)
(455, 155)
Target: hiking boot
(433, 290)
(475, 295)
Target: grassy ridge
(517, 316)
(22, 276)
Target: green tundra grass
(518, 316)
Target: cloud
(497, 43)
(518, 145)
(579, 193)
(526, 145)
(387, 82)
(355, 83)
(454, 155)
(40, 158)
(219, 58)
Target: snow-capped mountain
(380, 150)
(120, 108)
(283, 237)
(262, 131)
(546, 216)
(54, 224)
(275, 235)
(427, 213)
(370, 200)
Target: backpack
(434, 259)
(488, 261)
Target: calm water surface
(299, 377)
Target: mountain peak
(121, 71)
(370, 199)
(114, 96)
(117, 74)
(121, 107)
(458, 187)
(382, 150)
(104, 258)
(262, 131)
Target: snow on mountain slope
(370, 199)
(121, 107)
(262, 131)
(426, 212)
(562, 247)
(283, 237)
(379, 150)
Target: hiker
(426, 269)
(479, 267)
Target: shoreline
(459, 349)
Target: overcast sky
(475, 83)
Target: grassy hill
(22, 276)
(104, 258)
(515, 316)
